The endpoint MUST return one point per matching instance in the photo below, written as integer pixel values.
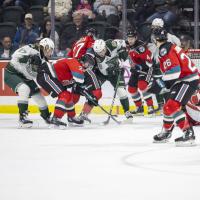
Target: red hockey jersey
(175, 64)
(140, 55)
(80, 47)
(67, 70)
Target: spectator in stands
(109, 11)
(85, 8)
(72, 32)
(117, 3)
(6, 3)
(7, 48)
(46, 33)
(25, 4)
(62, 10)
(27, 33)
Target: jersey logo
(141, 49)
(163, 51)
(114, 43)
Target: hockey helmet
(131, 33)
(157, 22)
(91, 31)
(47, 46)
(100, 47)
(159, 34)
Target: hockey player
(78, 51)
(141, 71)
(181, 78)
(80, 47)
(107, 56)
(20, 75)
(159, 23)
(55, 79)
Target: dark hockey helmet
(159, 34)
(131, 33)
(91, 31)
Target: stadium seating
(7, 29)
(38, 15)
(13, 14)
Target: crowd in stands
(72, 17)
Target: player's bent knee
(24, 91)
(97, 93)
(142, 85)
(171, 107)
(65, 96)
(132, 90)
(76, 98)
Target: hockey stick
(90, 98)
(113, 100)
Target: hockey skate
(57, 123)
(152, 110)
(47, 119)
(75, 121)
(24, 122)
(162, 137)
(129, 118)
(188, 139)
(138, 111)
(85, 118)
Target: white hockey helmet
(99, 46)
(158, 22)
(48, 46)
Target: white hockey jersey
(20, 61)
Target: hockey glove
(87, 61)
(35, 60)
(78, 88)
(113, 71)
(90, 97)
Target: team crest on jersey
(142, 49)
(163, 51)
(114, 43)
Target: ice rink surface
(114, 162)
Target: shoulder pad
(164, 49)
(141, 49)
(114, 43)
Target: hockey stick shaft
(113, 100)
(88, 96)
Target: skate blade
(127, 121)
(75, 125)
(53, 126)
(189, 143)
(24, 126)
(161, 142)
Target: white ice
(114, 162)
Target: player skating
(80, 47)
(181, 78)
(107, 56)
(56, 79)
(141, 71)
(20, 75)
(78, 51)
